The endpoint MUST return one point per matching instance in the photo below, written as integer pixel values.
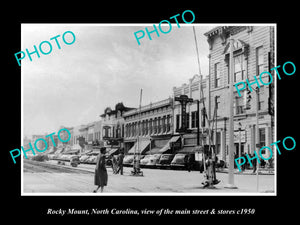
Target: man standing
(254, 163)
(120, 162)
(114, 164)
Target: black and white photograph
(155, 114)
(147, 109)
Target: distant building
(113, 125)
(64, 135)
(97, 132)
(37, 144)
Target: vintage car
(92, 159)
(179, 161)
(154, 159)
(68, 154)
(145, 160)
(74, 161)
(150, 160)
(165, 161)
(83, 158)
(128, 160)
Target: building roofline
(215, 30)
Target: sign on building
(237, 136)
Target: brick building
(253, 53)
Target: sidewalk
(262, 171)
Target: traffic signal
(247, 99)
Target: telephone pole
(231, 121)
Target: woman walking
(100, 171)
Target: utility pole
(198, 124)
(257, 138)
(231, 121)
(136, 162)
(215, 133)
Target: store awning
(187, 149)
(164, 148)
(144, 145)
(174, 139)
(111, 151)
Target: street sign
(198, 156)
(183, 99)
(236, 136)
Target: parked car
(150, 161)
(154, 159)
(51, 156)
(145, 161)
(74, 161)
(179, 161)
(92, 159)
(165, 161)
(128, 160)
(83, 158)
(40, 157)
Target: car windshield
(179, 156)
(166, 156)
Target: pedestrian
(235, 157)
(114, 164)
(189, 162)
(120, 162)
(100, 178)
(244, 165)
(254, 163)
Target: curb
(247, 173)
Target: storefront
(165, 145)
(141, 146)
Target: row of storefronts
(179, 123)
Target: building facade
(113, 126)
(253, 53)
(151, 125)
(193, 118)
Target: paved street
(40, 179)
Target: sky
(105, 65)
